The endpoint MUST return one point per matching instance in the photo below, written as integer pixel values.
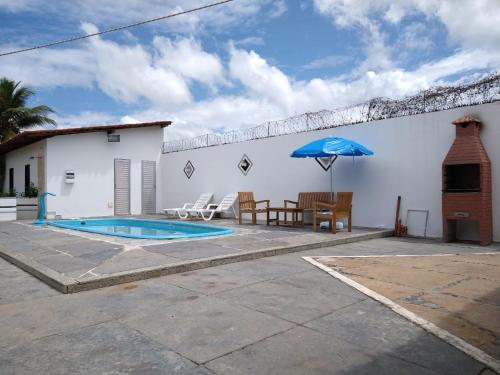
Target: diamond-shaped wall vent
(189, 169)
(245, 164)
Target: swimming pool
(142, 228)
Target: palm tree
(14, 115)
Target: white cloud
(378, 54)
(249, 41)
(17, 6)
(272, 95)
(259, 78)
(128, 73)
(50, 67)
(229, 112)
(278, 7)
(416, 36)
(474, 23)
(86, 118)
(471, 23)
(327, 62)
(187, 58)
(158, 75)
(109, 13)
(129, 120)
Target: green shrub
(32, 191)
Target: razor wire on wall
(486, 90)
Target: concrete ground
(459, 293)
(277, 315)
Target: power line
(115, 29)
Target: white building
(93, 171)
(93, 175)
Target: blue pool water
(140, 228)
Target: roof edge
(28, 137)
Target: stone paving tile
(81, 247)
(372, 326)
(295, 298)
(108, 348)
(318, 355)
(246, 245)
(132, 259)
(306, 238)
(263, 268)
(294, 259)
(321, 282)
(271, 235)
(27, 248)
(211, 280)
(59, 240)
(28, 320)
(228, 241)
(64, 263)
(146, 297)
(17, 285)
(191, 249)
(98, 256)
(206, 328)
(487, 372)
(200, 370)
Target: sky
(241, 63)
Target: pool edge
(223, 231)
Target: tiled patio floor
(73, 261)
(276, 315)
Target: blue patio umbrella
(326, 150)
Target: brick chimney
(467, 182)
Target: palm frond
(14, 115)
(21, 95)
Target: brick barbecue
(467, 182)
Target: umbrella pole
(331, 175)
(331, 182)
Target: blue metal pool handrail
(41, 199)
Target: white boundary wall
(409, 152)
(91, 157)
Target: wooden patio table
(286, 210)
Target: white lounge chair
(226, 205)
(202, 202)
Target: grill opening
(462, 178)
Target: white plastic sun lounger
(201, 203)
(226, 205)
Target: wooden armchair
(341, 209)
(247, 204)
(305, 201)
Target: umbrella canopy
(329, 147)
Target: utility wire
(115, 28)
